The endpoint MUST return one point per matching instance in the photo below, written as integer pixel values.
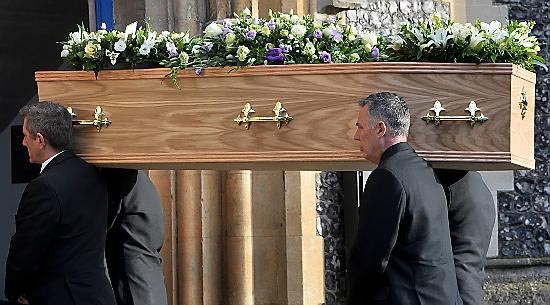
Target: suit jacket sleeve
(380, 214)
(35, 222)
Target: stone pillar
(239, 256)
(189, 250)
(304, 247)
(164, 181)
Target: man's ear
(381, 129)
(41, 140)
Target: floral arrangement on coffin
(292, 39)
(241, 41)
(440, 40)
(277, 40)
(135, 47)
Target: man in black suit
(402, 252)
(471, 220)
(56, 255)
(134, 238)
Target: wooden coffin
(155, 125)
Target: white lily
(112, 56)
(440, 37)
(131, 29)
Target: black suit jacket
(471, 219)
(402, 252)
(56, 255)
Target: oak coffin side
(155, 125)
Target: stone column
(304, 247)
(164, 182)
(239, 255)
(189, 250)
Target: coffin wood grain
(157, 126)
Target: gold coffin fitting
(436, 118)
(100, 119)
(281, 116)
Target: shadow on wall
(30, 31)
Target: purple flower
(275, 55)
(286, 48)
(375, 52)
(226, 30)
(256, 21)
(271, 24)
(331, 19)
(250, 35)
(198, 71)
(172, 53)
(227, 23)
(336, 35)
(317, 33)
(208, 46)
(325, 57)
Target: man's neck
(389, 142)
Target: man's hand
(22, 300)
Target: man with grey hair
(402, 251)
(56, 255)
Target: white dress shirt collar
(48, 161)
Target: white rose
(213, 30)
(64, 53)
(120, 45)
(246, 12)
(242, 53)
(184, 58)
(369, 40)
(230, 38)
(309, 49)
(298, 30)
(144, 49)
(295, 19)
(75, 37)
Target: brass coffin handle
(436, 118)
(100, 119)
(523, 103)
(281, 116)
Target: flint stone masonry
(330, 209)
(384, 17)
(524, 213)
